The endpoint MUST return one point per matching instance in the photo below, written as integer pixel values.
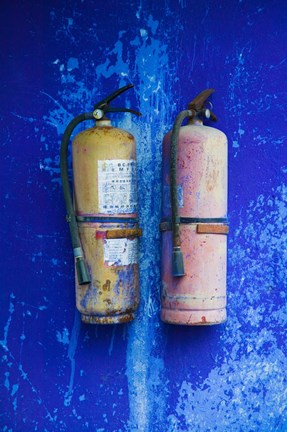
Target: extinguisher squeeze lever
(99, 110)
(196, 108)
(103, 106)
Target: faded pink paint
(199, 297)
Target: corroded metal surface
(117, 319)
(123, 233)
(114, 289)
(206, 228)
(110, 248)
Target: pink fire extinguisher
(194, 219)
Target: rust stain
(123, 233)
(117, 319)
(212, 180)
(108, 301)
(100, 235)
(107, 285)
(212, 229)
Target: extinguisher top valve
(198, 105)
(103, 107)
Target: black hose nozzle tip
(177, 262)
(82, 272)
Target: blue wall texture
(57, 59)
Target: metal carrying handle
(198, 105)
(102, 107)
(196, 108)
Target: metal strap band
(108, 219)
(189, 220)
(165, 224)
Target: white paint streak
(71, 355)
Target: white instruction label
(120, 252)
(117, 186)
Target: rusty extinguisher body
(194, 224)
(105, 209)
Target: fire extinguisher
(194, 219)
(103, 215)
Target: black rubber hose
(177, 258)
(82, 271)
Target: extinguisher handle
(199, 101)
(104, 104)
(112, 96)
(198, 104)
(129, 110)
(213, 117)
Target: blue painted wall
(57, 59)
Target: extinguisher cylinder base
(82, 272)
(108, 319)
(191, 317)
(177, 262)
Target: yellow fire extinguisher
(194, 219)
(103, 215)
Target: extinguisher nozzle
(177, 262)
(82, 272)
